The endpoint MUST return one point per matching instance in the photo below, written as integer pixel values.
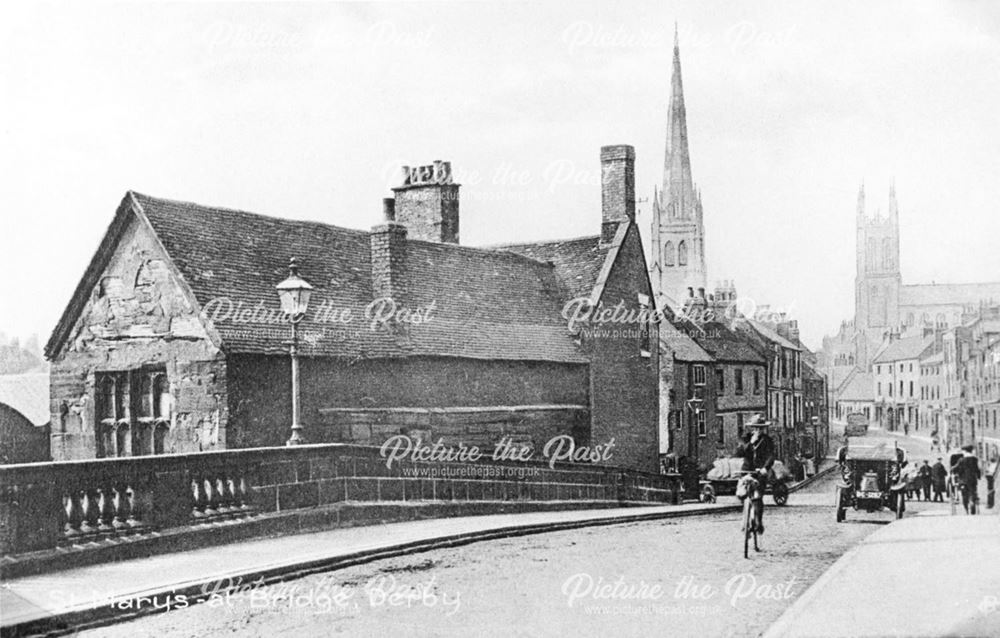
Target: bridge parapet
(44, 506)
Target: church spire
(678, 185)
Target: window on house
(756, 381)
(738, 380)
(720, 380)
(699, 374)
(701, 420)
(740, 420)
(911, 388)
(901, 389)
(722, 430)
(133, 409)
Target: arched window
(886, 254)
(668, 253)
(940, 320)
(682, 254)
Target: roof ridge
(226, 209)
(542, 241)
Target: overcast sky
(307, 110)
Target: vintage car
(871, 477)
(857, 424)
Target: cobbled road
(679, 577)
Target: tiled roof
(681, 346)
(577, 262)
(724, 344)
(769, 333)
(947, 294)
(905, 348)
(934, 359)
(28, 394)
(488, 304)
(860, 387)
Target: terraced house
(173, 340)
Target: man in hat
(967, 475)
(939, 475)
(759, 457)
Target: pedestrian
(924, 474)
(810, 467)
(906, 428)
(910, 478)
(939, 476)
(935, 440)
(967, 475)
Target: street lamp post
(294, 293)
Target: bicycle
(748, 489)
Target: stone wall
(94, 503)
(138, 317)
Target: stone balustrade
(47, 505)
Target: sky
(307, 111)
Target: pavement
(930, 575)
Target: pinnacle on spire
(893, 206)
(861, 201)
(678, 187)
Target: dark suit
(938, 477)
(924, 478)
(967, 474)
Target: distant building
(897, 381)
(884, 305)
(677, 262)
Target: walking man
(967, 475)
(924, 476)
(939, 476)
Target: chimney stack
(427, 203)
(388, 260)
(617, 189)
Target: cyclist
(759, 457)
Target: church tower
(877, 281)
(678, 234)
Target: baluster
(71, 506)
(211, 498)
(243, 494)
(105, 510)
(222, 493)
(198, 499)
(232, 496)
(134, 509)
(88, 512)
(121, 508)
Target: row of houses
(943, 379)
(727, 371)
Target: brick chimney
(617, 189)
(427, 203)
(388, 257)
